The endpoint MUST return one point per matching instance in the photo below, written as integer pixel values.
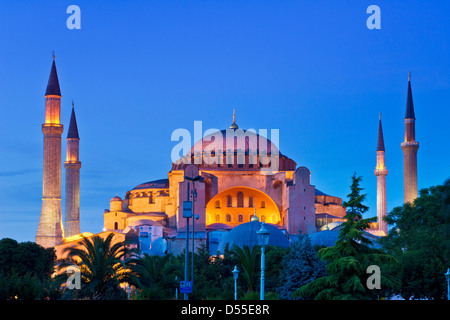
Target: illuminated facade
(239, 176)
(230, 190)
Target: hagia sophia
(234, 179)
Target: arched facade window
(240, 199)
(263, 204)
(263, 218)
(150, 198)
(240, 161)
(274, 218)
(250, 202)
(228, 217)
(229, 201)
(116, 226)
(217, 217)
(240, 218)
(217, 204)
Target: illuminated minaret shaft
(72, 192)
(410, 147)
(381, 173)
(50, 231)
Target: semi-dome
(246, 235)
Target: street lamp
(235, 276)
(263, 240)
(447, 277)
(188, 212)
(196, 217)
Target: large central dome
(235, 148)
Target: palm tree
(154, 275)
(101, 267)
(249, 259)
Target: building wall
(244, 202)
(300, 215)
(329, 204)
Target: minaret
(409, 147)
(50, 232)
(72, 192)
(381, 173)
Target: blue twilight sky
(138, 70)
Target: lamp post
(188, 214)
(263, 240)
(447, 277)
(194, 217)
(235, 276)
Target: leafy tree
(102, 269)
(420, 240)
(25, 270)
(250, 264)
(26, 257)
(300, 266)
(348, 260)
(213, 279)
(274, 268)
(154, 276)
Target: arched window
(250, 202)
(229, 201)
(230, 160)
(240, 199)
(228, 217)
(241, 161)
(217, 217)
(274, 218)
(240, 218)
(217, 204)
(263, 218)
(150, 198)
(116, 226)
(263, 204)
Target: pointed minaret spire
(53, 83)
(409, 112)
(234, 125)
(381, 173)
(73, 128)
(410, 147)
(380, 142)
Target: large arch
(238, 212)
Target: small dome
(246, 234)
(325, 238)
(116, 198)
(155, 184)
